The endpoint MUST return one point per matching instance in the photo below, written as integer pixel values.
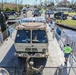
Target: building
(63, 9)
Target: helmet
(31, 63)
(67, 44)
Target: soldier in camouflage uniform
(30, 70)
(3, 22)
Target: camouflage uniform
(32, 70)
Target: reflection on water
(68, 36)
(71, 34)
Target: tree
(27, 5)
(73, 6)
(50, 4)
(7, 9)
(39, 8)
(64, 3)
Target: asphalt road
(29, 14)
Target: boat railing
(8, 32)
(65, 39)
(11, 70)
(72, 58)
(47, 70)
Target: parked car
(36, 13)
(10, 13)
(74, 17)
(49, 12)
(60, 15)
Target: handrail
(72, 43)
(71, 55)
(5, 34)
(43, 67)
(18, 71)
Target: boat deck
(54, 60)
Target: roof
(24, 8)
(33, 25)
(32, 19)
(62, 8)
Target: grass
(70, 13)
(67, 22)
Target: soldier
(30, 70)
(3, 22)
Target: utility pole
(16, 5)
(36, 2)
(2, 5)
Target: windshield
(36, 11)
(23, 36)
(39, 36)
(24, 11)
(47, 10)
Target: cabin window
(39, 36)
(23, 36)
(24, 11)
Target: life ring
(3, 71)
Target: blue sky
(23, 1)
(26, 1)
